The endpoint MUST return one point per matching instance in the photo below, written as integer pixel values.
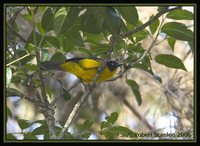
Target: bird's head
(112, 65)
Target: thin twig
(13, 18)
(141, 27)
(11, 25)
(152, 44)
(18, 59)
(37, 54)
(57, 98)
(33, 100)
(137, 29)
(47, 111)
(89, 90)
(17, 34)
(73, 113)
(138, 115)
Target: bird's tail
(49, 65)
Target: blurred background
(166, 107)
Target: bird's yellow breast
(86, 70)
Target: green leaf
(58, 57)
(145, 64)
(30, 48)
(72, 40)
(53, 41)
(136, 48)
(125, 29)
(69, 136)
(42, 122)
(66, 95)
(112, 21)
(8, 76)
(40, 130)
(92, 20)
(65, 20)
(27, 17)
(86, 125)
(130, 14)
(44, 54)
(31, 67)
(112, 118)
(104, 124)
(38, 39)
(86, 135)
(110, 133)
(9, 113)
(42, 8)
(40, 29)
(86, 51)
(29, 136)
(143, 67)
(135, 89)
(153, 26)
(36, 83)
(141, 35)
(48, 90)
(23, 124)
(171, 41)
(25, 60)
(93, 38)
(99, 49)
(170, 61)
(16, 79)
(10, 136)
(178, 31)
(180, 15)
(47, 20)
(46, 135)
(59, 20)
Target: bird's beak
(120, 64)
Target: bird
(84, 68)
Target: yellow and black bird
(84, 68)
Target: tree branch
(10, 24)
(57, 98)
(112, 44)
(16, 33)
(137, 29)
(152, 44)
(89, 90)
(73, 114)
(138, 115)
(47, 110)
(18, 59)
(33, 100)
(141, 27)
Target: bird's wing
(90, 63)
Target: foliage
(109, 131)
(86, 31)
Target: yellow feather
(86, 70)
